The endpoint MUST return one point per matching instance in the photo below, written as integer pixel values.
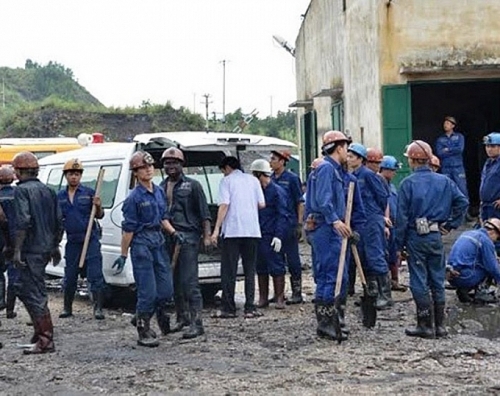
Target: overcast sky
(127, 51)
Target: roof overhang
(419, 69)
(305, 103)
(334, 93)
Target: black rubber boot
(424, 323)
(326, 317)
(11, 303)
(147, 337)
(182, 321)
(296, 291)
(3, 305)
(196, 328)
(439, 320)
(163, 318)
(384, 297)
(464, 296)
(98, 301)
(341, 314)
(67, 312)
(352, 278)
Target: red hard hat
(172, 153)
(435, 161)
(140, 159)
(285, 154)
(6, 175)
(418, 149)
(374, 154)
(316, 162)
(25, 160)
(333, 137)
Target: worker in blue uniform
(449, 149)
(144, 215)
(7, 294)
(429, 205)
(76, 202)
(489, 190)
(472, 259)
(375, 195)
(388, 170)
(274, 221)
(326, 208)
(290, 182)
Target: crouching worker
(144, 215)
(473, 261)
(76, 202)
(274, 221)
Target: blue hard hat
(390, 162)
(358, 148)
(493, 138)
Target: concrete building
(389, 71)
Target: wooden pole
(83, 255)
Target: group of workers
(350, 200)
(387, 225)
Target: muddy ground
(278, 353)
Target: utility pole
(223, 89)
(3, 92)
(206, 96)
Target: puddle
(481, 321)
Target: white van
(203, 152)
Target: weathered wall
(361, 72)
(319, 56)
(436, 34)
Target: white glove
(276, 244)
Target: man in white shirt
(240, 198)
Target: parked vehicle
(203, 152)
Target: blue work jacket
(374, 191)
(450, 150)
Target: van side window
(109, 183)
(57, 182)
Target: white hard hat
(261, 165)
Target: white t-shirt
(242, 193)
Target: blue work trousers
(153, 276)
(30, 286)
(457, 174)
(268, 261)
(326, 243)
(12, 276)
(290, 250)
(372, 247)
(93, 266)
(187, 293)
(427, 267)
(469, 278)
(392, 254)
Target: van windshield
(208, 176)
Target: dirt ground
(278, 353)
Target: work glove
(276, 244)
(55, 254)
(178, 238)
(16, 260)
(119, 264)
(354, 238)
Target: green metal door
(396, 125)
(309, 141)
(338, 116)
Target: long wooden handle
(343, 250)
(355, 254)
(175, 256)
(100, 178)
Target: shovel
(368, 310)
(340, 270)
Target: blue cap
(493, 138)
(390, 162)
(358, 148)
